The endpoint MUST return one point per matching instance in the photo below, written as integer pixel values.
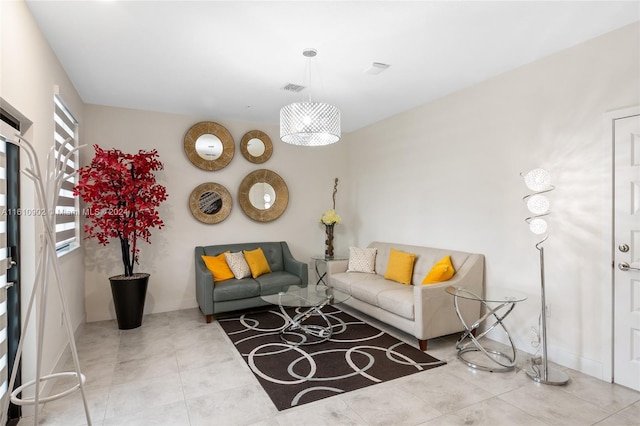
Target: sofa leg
(423, 344)
(209, 318)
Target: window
(65, 136)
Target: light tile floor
(177, 370)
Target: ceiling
(229, 60)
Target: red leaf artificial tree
(122, 199)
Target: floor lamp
(539, 181)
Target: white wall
(29, 71)
(308, 172)
(447, 175)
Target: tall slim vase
(328, 253)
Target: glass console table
(298, 330)
(497, 304)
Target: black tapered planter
(129, 294)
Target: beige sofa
(425, 311)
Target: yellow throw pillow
(257, 262)
(400, 266)
(218, 267)
(443, 270)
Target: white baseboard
(565, 359)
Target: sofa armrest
(434, 309)
(336, 266)
(204, 283)
(294, 266)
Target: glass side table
(498, 303)
(322, 260)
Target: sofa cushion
(273, 253)
(368, 290)
(362, 260)
(235, 289)
(400, 266)
(343, 280)
(398, 301)
(238, 265)
(276, 282)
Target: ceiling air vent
(290, 87)
(376, 68)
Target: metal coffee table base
(320, 333)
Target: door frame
(608, 310)
(14, 294)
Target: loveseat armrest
(204, 283)
(294, 266)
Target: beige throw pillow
(362, 260)
(238, 265)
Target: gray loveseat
(231, 295)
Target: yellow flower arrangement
(330, 217)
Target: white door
(626, 258)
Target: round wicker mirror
(210, 203)
(256, 146)
(209, 146)
(254, 190)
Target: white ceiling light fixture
(309, 123)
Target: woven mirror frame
(200, 206)
(209, 128)
(281, 195)
(264, 138)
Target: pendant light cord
(309, 53)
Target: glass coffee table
(300, 330)
(497, 303)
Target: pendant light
(309, 123)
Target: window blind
(65, 136)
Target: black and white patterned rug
(356, 355)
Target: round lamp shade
(538, 226)
(310, 124)
(538, 204)
(537, 179)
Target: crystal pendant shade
(309, 124)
